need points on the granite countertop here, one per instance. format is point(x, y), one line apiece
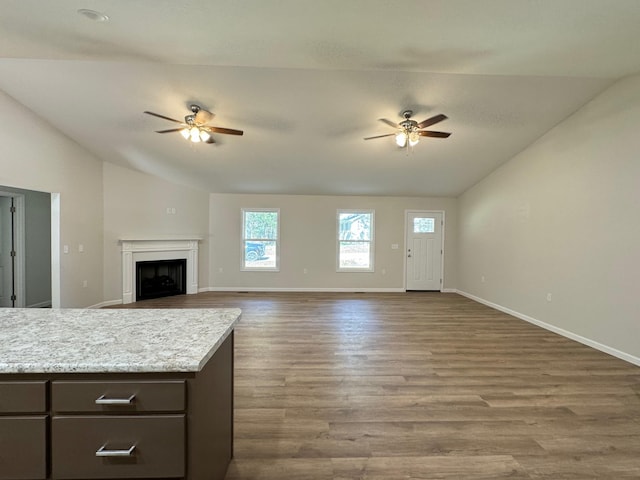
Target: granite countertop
point(115, 340)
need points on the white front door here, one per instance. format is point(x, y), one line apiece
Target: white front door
point(6, 271)
point(424, 250)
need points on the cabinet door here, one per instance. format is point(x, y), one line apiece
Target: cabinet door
point(19, 397)
point(110, 446)
point(23, 447)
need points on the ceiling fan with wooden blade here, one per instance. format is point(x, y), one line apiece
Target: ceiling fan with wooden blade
point(409, 131)
point(195, 126)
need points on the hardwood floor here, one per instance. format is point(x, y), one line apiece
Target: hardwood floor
point(419, 386)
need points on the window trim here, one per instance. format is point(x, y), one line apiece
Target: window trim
point(243, 266)
point(371, 241)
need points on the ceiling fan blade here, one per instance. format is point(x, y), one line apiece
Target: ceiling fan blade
point(162, 116)
point(389, 122)
point(431, 133)
point(203, 116)
point(432, 120)
point(229, 131)
point(170, 130)
point(380, 136)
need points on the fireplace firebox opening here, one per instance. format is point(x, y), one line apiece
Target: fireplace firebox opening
point(160, 278)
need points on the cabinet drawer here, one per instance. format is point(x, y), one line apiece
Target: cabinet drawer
point(23, 447)
point(116, 397)
point(18, 397)
point(158, 441)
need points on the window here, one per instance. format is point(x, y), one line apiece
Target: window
point(261, 239)
point(355, 240)
point(424, 225)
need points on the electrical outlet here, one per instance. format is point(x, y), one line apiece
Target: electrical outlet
point(305, 271)
point(81, 248)
point(548, 297)
point(65, 249)
point(394, 246)
point(482, 279)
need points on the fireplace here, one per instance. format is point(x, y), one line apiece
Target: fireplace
point(160, 278)
point(171, 249)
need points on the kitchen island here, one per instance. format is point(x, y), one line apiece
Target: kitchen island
point(116, 393)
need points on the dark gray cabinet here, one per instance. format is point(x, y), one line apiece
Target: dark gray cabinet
point(119, 425)
point(23, 430)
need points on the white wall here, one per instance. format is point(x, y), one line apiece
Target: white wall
point(47, 161)
point(135, 205)
point(308, 240)
point(562, 218)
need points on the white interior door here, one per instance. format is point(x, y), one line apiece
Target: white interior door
point(6, 273)
point(424, 250)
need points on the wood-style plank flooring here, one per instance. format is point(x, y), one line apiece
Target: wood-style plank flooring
point(419, 386)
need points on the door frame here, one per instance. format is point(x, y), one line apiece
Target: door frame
point(55, 251)
point(18, 232)
point(55, 247)
point(406, 227)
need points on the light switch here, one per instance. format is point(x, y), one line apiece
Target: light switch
point(65, 249)
point(394, 246)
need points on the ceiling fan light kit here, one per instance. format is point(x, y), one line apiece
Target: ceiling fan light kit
point(195, 134)
point(410, 131)
point(195, 127)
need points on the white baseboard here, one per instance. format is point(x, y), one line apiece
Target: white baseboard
point(337, 290)
point(560, 331)
point(312, 289)
point(107, 303)
point(45, 304)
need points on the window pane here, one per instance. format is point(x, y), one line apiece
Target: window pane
point(260, 242)
point(260, 254)
point(424, 225)
point(355, 226)
point(354, 254)
point(261, 225)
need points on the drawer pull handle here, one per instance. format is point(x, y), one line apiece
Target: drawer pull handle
point(101, 452)
point(101, 400)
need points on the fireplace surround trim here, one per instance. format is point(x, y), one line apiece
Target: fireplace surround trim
point(159, 248)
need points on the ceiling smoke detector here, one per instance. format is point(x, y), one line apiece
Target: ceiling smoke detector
point(93, 15)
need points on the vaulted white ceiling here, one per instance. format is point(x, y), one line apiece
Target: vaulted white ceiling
point(307, 80)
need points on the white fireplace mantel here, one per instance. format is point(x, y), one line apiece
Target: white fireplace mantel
point(157, 248)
